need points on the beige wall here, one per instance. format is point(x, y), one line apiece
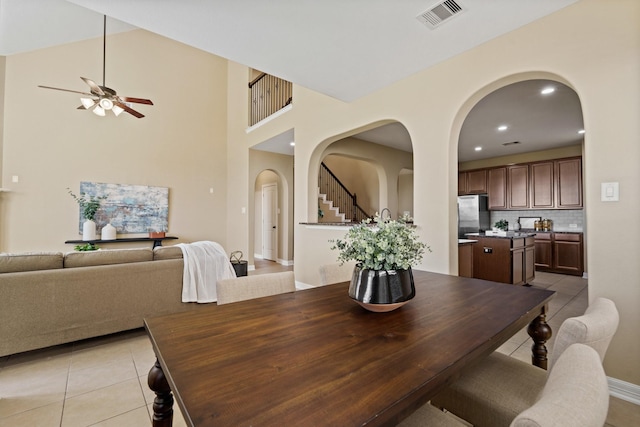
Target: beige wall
point(582, 46)
point(51, 145)
point(405, 192)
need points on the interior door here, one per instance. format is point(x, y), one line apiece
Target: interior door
point(269, 221)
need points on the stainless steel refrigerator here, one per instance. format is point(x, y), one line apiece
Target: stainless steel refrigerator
point(473, 215)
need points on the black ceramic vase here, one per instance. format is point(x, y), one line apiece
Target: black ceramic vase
point(381, 290)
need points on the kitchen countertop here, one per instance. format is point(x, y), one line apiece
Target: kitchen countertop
point(466, 241)
point(510, 235)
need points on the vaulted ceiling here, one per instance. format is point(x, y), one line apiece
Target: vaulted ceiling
point(344, 49)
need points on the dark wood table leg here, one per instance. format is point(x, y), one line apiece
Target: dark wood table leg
point(163, 403)
point(540, 332)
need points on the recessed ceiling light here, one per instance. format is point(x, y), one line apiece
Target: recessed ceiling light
point(502, 128)
point(548, 90)
point(478, 148)
point(293, 144)
point(581, 131)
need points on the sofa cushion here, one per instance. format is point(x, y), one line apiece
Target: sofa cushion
point(30, 261)
point(167, 252)
point(107, 257)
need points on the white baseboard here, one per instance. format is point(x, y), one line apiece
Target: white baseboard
point(301, 286)
point(624, 390)
point(585, 275)
point(286, 263)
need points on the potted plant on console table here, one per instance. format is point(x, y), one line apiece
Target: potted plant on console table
point(89, 205)
point(385, 251)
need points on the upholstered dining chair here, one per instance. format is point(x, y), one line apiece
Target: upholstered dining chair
point(496, 390)
point(249, 287)
point(575, 394)
point(336, 273)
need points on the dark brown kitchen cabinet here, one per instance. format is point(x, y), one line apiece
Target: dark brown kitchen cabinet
point(567, 253)
point(497, 188)
point(551, 184)
point(518, 187)
point(568, 178)
point(506, 260)
point(559, 253)
point(472, 182)
point(465, 259)
point(542, 185)
point(544, 248)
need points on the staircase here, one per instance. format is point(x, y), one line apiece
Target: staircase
point(331, 213)
point(330, 191)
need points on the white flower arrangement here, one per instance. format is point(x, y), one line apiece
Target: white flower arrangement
point(385, 245)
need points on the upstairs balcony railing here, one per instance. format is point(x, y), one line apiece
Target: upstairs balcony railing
point(269, 94)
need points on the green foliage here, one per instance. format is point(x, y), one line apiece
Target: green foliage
point(89, 205)
point(86, 247)
point(502, 225)
point(384, 245)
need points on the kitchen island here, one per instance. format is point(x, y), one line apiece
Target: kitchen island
point(506, 258)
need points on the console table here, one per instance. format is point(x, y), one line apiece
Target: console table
point(157, 241)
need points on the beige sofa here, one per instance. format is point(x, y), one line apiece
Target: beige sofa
point(55, 298)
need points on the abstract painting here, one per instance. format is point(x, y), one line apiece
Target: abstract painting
point(129, 208)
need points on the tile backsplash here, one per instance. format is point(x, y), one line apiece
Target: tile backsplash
point(562, 219)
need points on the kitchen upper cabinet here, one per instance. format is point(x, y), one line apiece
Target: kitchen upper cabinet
point(568, 179)
point(472, 182)
point(497, 188)
point(542, 185)
point(518, 187)
point(551, 184)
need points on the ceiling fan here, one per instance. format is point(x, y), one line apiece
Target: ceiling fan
point(104, 98)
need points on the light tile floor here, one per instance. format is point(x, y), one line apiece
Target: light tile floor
point(103, 381)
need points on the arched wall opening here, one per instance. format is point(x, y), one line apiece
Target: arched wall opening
point(277, 169)
point(364, 159)
point(533, 155)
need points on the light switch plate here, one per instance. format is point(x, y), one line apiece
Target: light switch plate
point(610, 191)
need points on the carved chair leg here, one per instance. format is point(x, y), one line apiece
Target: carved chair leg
point(540, 332)
point(163, 402)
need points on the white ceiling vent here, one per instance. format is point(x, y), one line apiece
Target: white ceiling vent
point(440, 13)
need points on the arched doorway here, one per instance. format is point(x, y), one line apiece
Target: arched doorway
point(372, 158)
point(521, 123)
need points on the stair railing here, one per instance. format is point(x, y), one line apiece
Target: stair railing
point(269, 94)
point(341, 197)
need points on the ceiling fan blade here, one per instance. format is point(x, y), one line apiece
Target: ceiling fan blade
point(66, 90)
point(136, 100)
point(95, 89)
point(129, 110)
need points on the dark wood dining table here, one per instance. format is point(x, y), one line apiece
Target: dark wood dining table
point(316, 358)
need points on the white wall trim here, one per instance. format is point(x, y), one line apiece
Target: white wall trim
point(624, 390)
point(268, 119)
point(301, 286)
point(285, 262)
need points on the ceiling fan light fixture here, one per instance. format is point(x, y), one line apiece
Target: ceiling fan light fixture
point(117, 110)
point(106, 103)
point(99, 111)
point(87, 102)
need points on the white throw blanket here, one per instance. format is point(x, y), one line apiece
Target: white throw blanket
point(204, 264)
